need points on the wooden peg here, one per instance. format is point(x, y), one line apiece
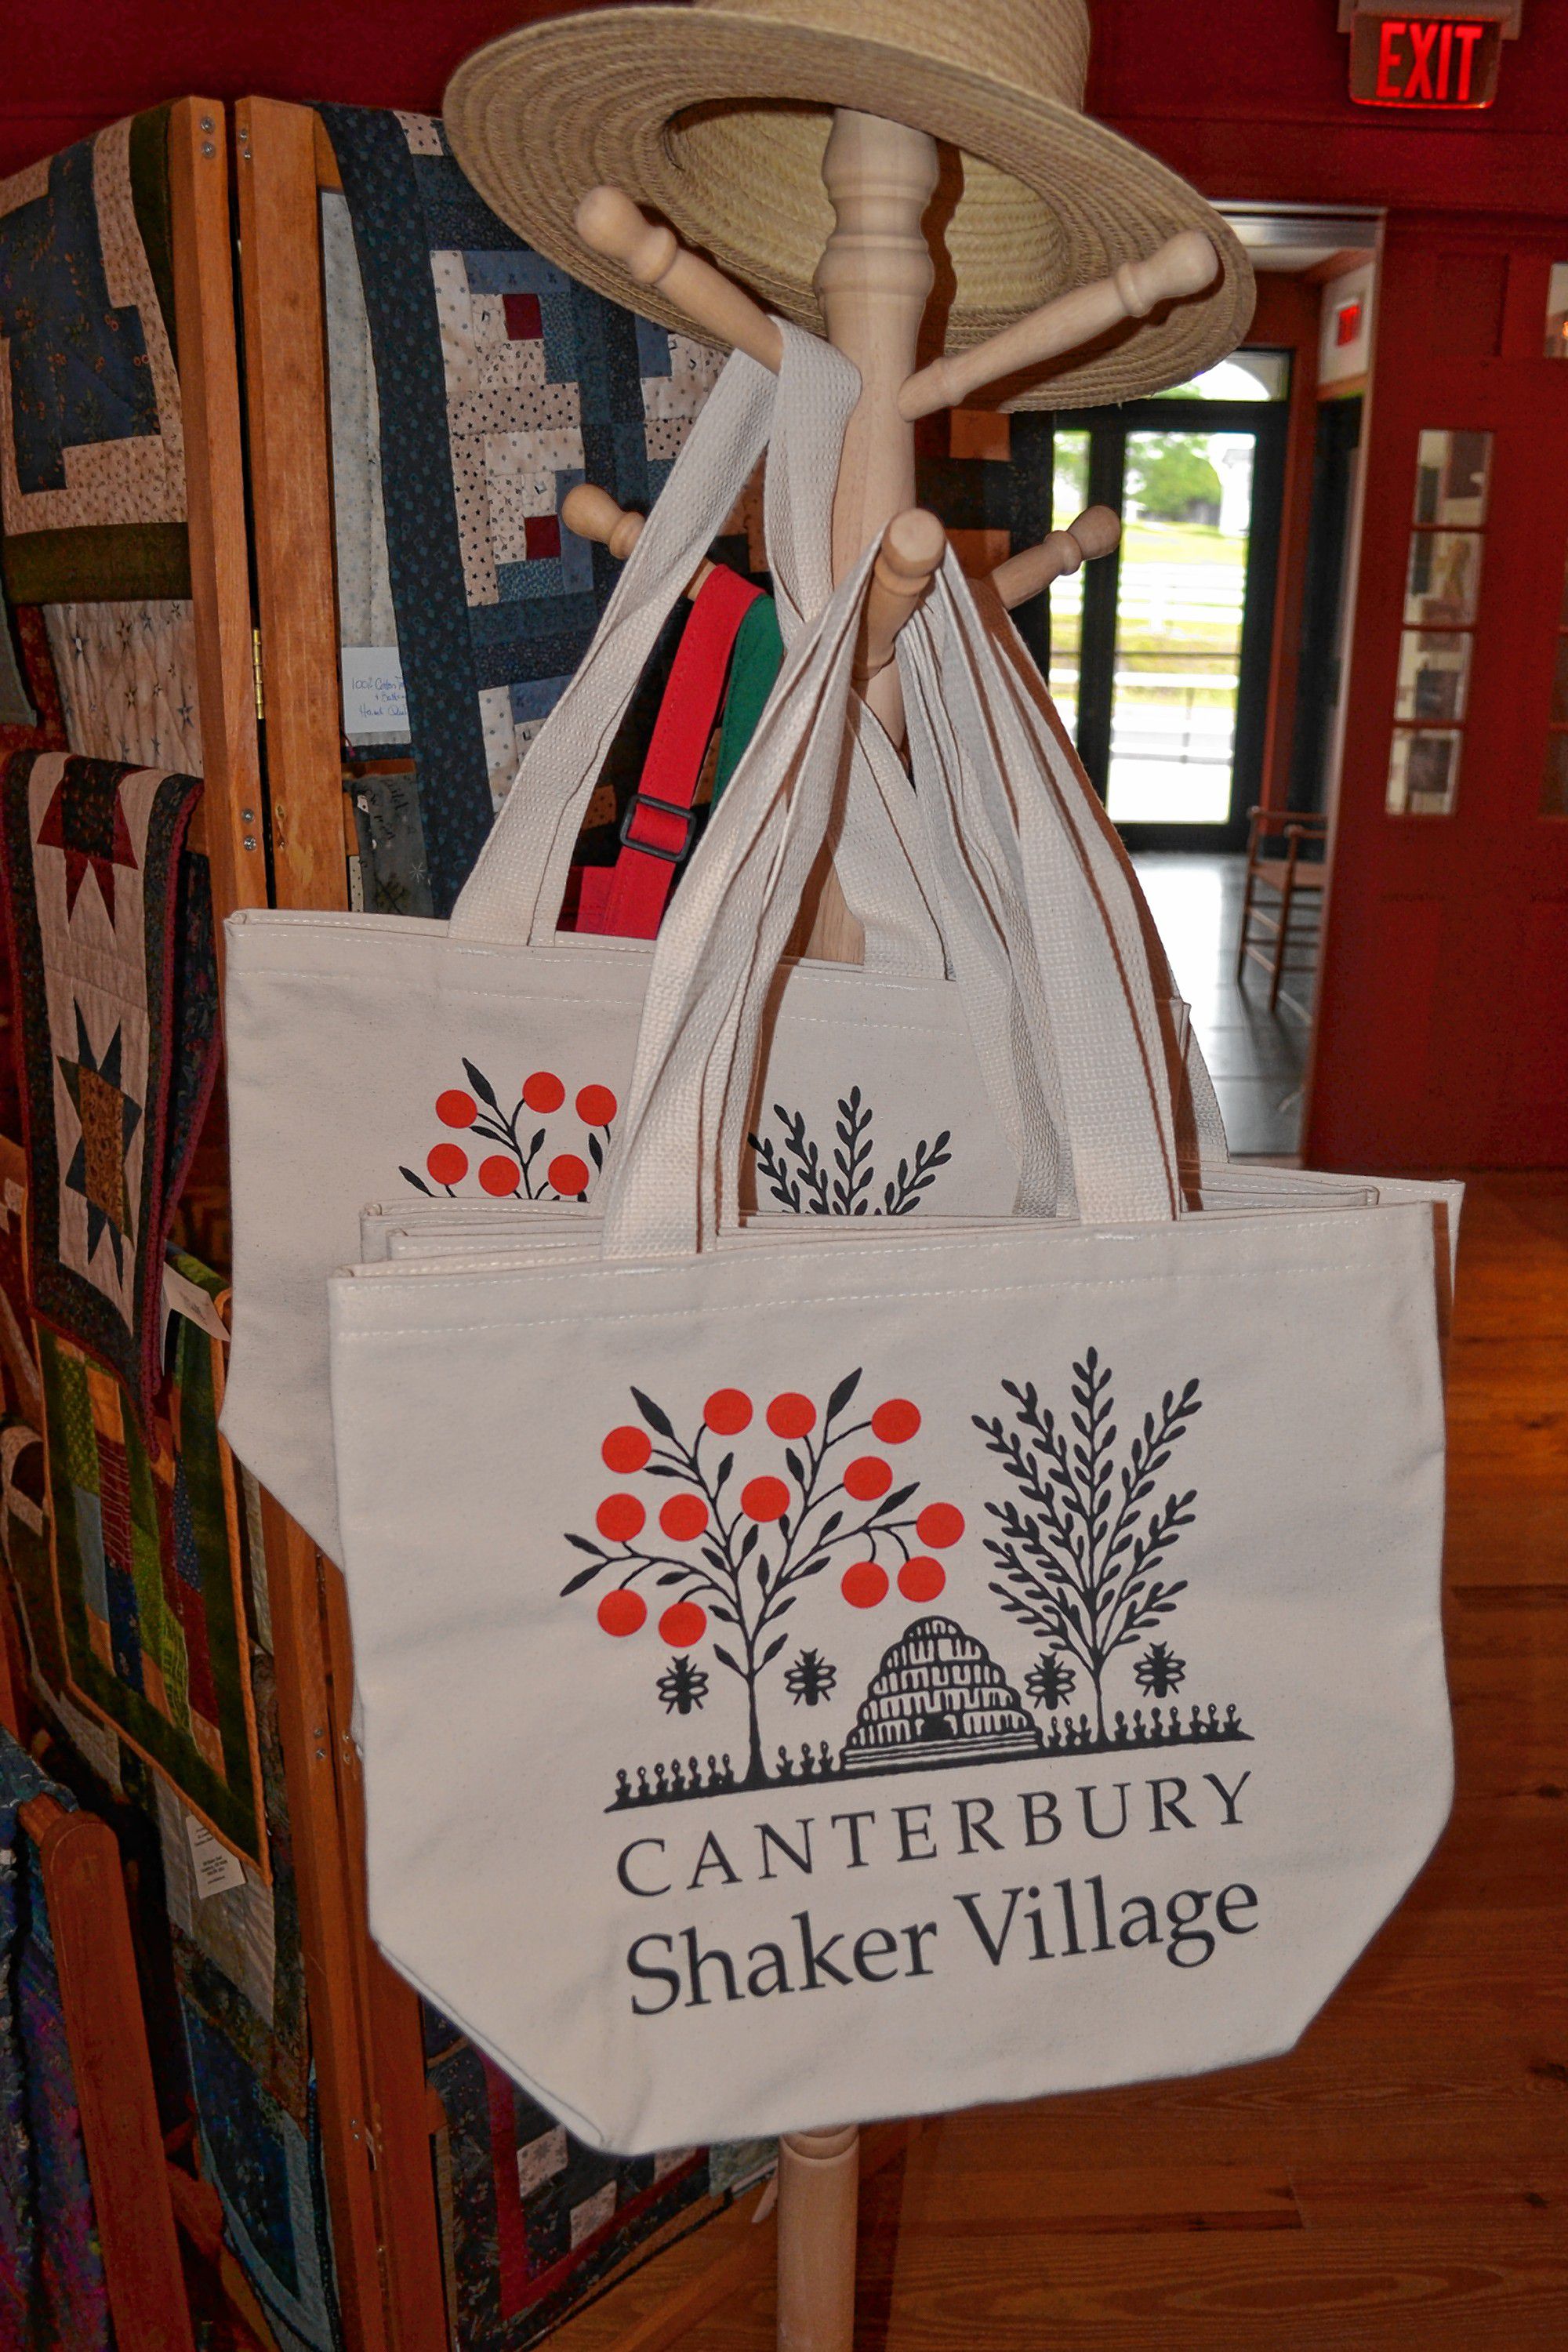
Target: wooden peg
point(1184, 264)
point(1094, 533)
point(593, 513)
point(912, 547)
point(609, 222)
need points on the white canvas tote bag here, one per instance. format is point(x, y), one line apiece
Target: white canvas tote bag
point(864, 1673)
point(489, 1056)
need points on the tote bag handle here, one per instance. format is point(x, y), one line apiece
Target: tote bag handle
point(1072, 1016)
point(514, 893)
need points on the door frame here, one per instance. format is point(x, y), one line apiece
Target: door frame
point(1108, 429)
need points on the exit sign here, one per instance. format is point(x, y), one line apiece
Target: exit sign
point(1432, 64)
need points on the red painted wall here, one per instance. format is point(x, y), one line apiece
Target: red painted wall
point(1248, 99)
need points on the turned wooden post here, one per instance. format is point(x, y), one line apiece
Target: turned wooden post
point(819, 2197)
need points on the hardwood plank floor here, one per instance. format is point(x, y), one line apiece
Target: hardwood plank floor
point(1399, 2183)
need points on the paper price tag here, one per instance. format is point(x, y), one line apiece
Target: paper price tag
point(216, 1870)
point(376, 701)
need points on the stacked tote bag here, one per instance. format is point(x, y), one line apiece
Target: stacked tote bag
point(836, 1668)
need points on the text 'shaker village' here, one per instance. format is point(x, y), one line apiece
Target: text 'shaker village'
point(1028, 1919)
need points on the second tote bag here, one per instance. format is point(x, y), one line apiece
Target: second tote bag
point(854, 1672)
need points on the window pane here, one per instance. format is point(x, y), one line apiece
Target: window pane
point(1188, 511)
point(1424, 772)
point(1451, 471)
point(1444, 577)
point(1069, 495)
point(1434, 672)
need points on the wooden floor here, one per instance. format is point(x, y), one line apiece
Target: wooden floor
point(1400, 2182)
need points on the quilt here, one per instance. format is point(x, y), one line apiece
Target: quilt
point(114, 985)
point(52, 2287)
point(533, 2224)
point(493, 383)
point(149, 1550)
point(92, 463)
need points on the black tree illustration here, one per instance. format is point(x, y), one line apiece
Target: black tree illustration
point(799, 1178)
point(757, 1546)
point(1080, 1561)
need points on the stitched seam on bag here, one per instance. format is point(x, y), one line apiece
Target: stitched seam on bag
point(887, 1252)
point(847, 1298)
point(788, 1017)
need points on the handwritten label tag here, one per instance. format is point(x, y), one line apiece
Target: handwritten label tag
point(375, 702)
point(216, 1870)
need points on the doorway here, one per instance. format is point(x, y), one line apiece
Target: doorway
point(1160, 653)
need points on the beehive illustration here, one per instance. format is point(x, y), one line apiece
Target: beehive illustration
point(938, 1698)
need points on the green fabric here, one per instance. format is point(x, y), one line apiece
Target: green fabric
point(116, 562)
point(754, 666)
point(148, 1571)
point(149, 200)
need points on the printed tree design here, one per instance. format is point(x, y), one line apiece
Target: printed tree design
point(799, 1178)
point(1080, 1561)
point(566, 1176)
point(740, 1549)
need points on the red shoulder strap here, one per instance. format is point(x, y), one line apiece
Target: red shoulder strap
point(656, 832)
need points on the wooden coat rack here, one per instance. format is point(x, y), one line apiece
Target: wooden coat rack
point(874, 280)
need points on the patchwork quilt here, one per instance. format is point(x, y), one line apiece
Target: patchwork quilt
point(473, 384)
point(92, 462)
point(114, 984)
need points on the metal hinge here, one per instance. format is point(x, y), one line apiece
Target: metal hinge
point(256, 672)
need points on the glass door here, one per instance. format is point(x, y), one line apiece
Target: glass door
point(1159, 655)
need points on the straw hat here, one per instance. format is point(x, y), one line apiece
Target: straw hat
point(715, 115)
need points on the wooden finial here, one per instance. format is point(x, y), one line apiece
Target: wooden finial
point(1184, 264)
point(609, 222)
point(1094, 533)
point(913, 545)
point(593, 514)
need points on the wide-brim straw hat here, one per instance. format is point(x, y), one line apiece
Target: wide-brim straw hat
point(715, 116)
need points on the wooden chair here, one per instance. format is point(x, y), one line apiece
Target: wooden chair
point(1285, 859)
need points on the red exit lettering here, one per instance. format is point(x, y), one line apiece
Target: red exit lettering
point(1424, 61)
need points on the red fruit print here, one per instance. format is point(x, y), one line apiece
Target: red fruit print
point(596, 1105)
point(866, 1478)
point(568, 1174)
point(863, 1584)
point(626, 1449)
point(500, 1175)
point(940, 1525)
point(683, 1625)
point(619, 1518)
point(895, 1423)
point(455, 1109)
point(727, 1412)
point(684, 1517)
point(921, 1580)
point(622, 1612)
point(764, 1498)
point(448, 1163)
point(792, 1415)
point(542, 1091)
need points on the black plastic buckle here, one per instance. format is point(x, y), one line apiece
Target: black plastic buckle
point(666, 808)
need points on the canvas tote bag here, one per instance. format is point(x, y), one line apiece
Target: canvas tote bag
point(874, 1671)
point(486, 1059)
